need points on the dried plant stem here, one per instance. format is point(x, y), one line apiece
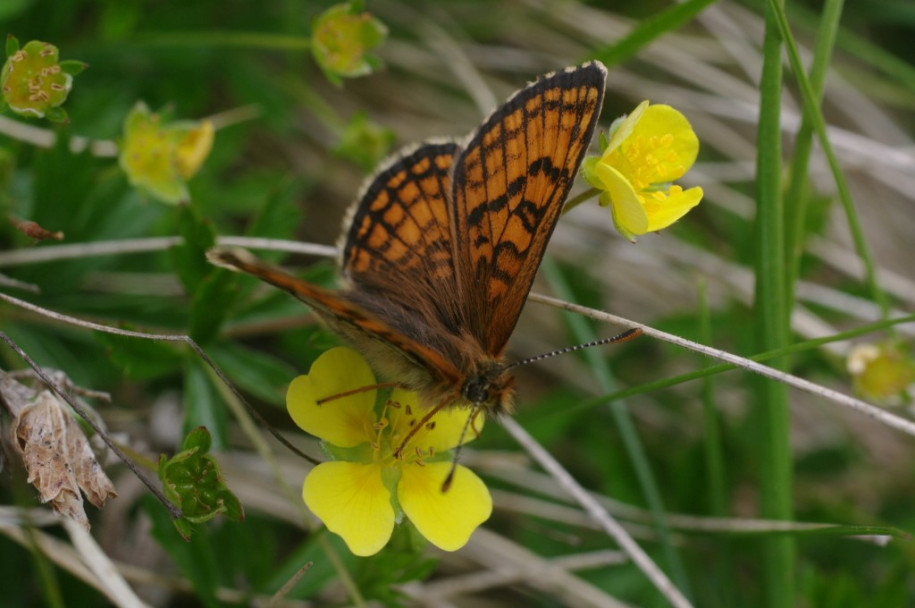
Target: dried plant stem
point(105, 571)
point(107, 148)
point(287, 587)
point(35, 255)
point(599, 513)
point(883, 416)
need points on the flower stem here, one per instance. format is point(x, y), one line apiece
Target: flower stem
point(771, 326)
point(584, 196)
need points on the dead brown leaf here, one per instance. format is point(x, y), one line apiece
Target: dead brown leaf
point(55, 451)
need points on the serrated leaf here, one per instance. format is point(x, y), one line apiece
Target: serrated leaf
point(192, 479)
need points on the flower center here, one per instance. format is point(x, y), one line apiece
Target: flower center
point(647, 160)
point(389, 437)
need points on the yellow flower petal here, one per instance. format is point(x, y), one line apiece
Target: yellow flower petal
point(628, 215)
point(621, 129)
point(665, 209)
point(146, 156)
point(447, 519)
point(193, 148)
point(662, 145)
point(344, 422)
point(446, 426)
point(353, 502)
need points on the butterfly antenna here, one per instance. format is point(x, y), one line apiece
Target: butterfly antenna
point(457, 451)
point(627, 335)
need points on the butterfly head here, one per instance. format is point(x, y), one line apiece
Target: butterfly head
point(490, 386)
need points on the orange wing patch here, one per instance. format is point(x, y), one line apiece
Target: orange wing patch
point(509, 187)
point(401, 226)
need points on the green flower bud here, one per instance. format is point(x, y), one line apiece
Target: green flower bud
point(34, 83)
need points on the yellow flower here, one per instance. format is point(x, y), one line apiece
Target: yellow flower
point(160, 158)
point(648, 149)
point(882, 372)
point(365, 489)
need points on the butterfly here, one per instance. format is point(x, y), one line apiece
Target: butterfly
point(440, 250)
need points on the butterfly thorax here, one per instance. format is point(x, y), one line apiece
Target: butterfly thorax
point(490, 386)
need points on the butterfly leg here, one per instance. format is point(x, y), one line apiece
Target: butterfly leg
point(356, 391)
point(398, 453)
point(470, 424)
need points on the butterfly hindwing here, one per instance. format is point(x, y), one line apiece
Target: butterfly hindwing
point(405, 356)
point(509, 186)
point(397, 250)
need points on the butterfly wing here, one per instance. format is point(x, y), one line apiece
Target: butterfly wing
point(509, 185)
point(397, 254)
point(410, 362)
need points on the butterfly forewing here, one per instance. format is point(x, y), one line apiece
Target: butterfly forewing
point(510, 183)
point(374, 336)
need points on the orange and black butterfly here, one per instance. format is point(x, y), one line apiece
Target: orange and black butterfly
point(441, 247)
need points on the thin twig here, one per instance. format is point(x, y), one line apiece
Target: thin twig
point(167, 338)
point(35, 255)
point(887, 418)
point(107, 148)
point(599, 513)
point(288, 585)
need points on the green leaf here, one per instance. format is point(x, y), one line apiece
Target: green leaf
point(650, 29)
point(57, 114)
point(193, 554)
point(210, 304)
point(198, 439)
point(279, 214)
point(202, 404)
point(73, 67)
point(189, 258)
point(12, 45)
point(141, 359)
point(255, 372)
point(192, 479)
point(322, 572)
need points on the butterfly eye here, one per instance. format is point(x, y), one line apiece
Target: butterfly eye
point(478, 389)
